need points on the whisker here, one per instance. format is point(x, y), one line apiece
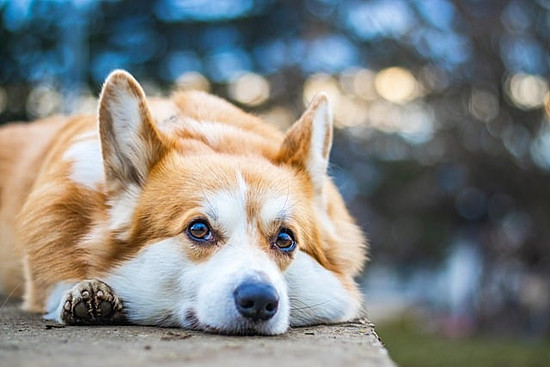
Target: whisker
point(310, 307)
point(10, 295)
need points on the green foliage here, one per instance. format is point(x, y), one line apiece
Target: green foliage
point(409, 346)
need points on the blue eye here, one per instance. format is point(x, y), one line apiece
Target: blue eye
point(199, 231)
point(285, 240)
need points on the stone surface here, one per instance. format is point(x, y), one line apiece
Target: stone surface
point(28, 340)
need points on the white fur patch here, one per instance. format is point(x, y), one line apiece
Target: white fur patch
point(56, 300)
point(122, 210)
point(94, 237)
point(316, 295)
point(150, 285)
point(87, 164)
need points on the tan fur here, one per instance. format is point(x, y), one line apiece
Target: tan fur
point(22, 151)
point(62, 228)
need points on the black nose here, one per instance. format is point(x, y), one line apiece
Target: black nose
point(256, 301)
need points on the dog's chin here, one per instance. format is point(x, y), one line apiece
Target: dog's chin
point(243, 329)
point(238, 326)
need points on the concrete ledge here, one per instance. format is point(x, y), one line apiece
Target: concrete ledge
point(27, 340)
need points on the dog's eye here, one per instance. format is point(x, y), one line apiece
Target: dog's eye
point(285, 240)
point(199, 231)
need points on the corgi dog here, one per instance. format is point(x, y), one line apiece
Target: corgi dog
point(182, 212)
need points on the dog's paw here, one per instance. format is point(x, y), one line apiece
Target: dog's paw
point(91, 302)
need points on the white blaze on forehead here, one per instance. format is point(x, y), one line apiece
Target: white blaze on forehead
point(87, 164)
point(228, 207)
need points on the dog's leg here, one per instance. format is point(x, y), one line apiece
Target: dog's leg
point(91, 302)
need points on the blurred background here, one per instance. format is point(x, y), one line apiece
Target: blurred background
point(442, 143)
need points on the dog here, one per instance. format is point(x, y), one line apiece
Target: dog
point(179, 212)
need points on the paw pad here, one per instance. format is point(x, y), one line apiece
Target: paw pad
point(91, 302)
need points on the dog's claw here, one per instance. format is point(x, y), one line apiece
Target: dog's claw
point(92, 302)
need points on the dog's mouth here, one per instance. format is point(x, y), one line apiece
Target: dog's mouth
point(244, 329)
point(241, 327)
point(191, 320)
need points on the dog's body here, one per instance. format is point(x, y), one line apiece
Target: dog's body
point(178, 212)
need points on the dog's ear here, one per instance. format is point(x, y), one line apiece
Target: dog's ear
point(130, 142)
point(307, 143)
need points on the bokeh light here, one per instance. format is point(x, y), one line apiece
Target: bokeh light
point(359, 82)
point(280, 116)
point(249, 89)
point(318, 83)
point(396, 84)
point(193, 80)
point(527, 91)
point(43, 101)
point(484, 104)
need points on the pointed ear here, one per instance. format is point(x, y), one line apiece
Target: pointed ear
point(307, 143)
point(130, 142)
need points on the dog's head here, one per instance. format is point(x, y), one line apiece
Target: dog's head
point(232, 243)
